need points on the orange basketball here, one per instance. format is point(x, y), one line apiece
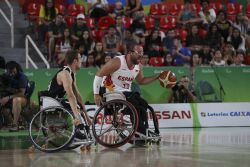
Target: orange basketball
point(167, 79)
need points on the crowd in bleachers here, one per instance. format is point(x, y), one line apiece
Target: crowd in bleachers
point(172, 34)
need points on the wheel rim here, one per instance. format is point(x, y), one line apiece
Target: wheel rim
point(115, 123)
point(52, 129)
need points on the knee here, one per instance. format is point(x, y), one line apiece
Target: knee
point(18, 101)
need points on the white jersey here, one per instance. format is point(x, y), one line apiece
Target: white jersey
point(123, 77)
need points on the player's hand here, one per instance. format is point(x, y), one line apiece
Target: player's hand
point(98, 99)
point(77, 121)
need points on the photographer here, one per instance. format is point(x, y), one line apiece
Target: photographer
point(16, 98)
point(182, 92)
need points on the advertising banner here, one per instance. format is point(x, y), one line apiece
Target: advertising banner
point(197, 114)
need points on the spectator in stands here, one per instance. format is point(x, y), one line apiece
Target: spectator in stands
point(168, 60)
point(17, 98)
point(132, 7)
point(214, 38)
point(128, 39)
point(180, 54)
point(80, 47)
point(224, 26)
point(207, 14)
point(182, 92)
point(237, 40)
point(87, 41)
point(106, 59)
point(168, 43)
point(56, 30)
point(79, 27)
point(238, 59)
point(243, 24)
point(228, 53)
point(195, 60)
point(206, 54)
point(145, 60)
point(119, 10)
point(62, 46)
point(111, 41)
point(119, 26)
point(154, 39)
point(194, 41)
point(138, 28)
point(97, 8)
point(187, 16)
point(90, 60)
point(47, 14)
point(155, 51)
point(217, 59)
point(99, 54)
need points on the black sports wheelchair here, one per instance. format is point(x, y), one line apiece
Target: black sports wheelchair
point(114, 124)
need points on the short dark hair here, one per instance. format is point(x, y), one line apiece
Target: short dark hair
point(12, 65)
point(131, 46)
point(71, 55)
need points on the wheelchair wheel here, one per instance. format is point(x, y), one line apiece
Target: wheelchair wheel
point(115, 123)
point(52, 129)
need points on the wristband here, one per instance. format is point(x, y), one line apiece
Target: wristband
point(97, 84)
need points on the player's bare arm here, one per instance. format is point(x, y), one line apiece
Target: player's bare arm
point(142, 80)
point(65, 79)
point(107, 69)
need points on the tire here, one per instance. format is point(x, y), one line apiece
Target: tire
point(115, 123)
point(52, 129)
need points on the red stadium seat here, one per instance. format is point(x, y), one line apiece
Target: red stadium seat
point(127, 21)
point(90, 22)
point(149, 22)
point(105, 21)
point(97, 35)
point(157, 10)
point(202, 33)
point(61, 2)
point(231, 10)
point(74, 9)
point(27, 2)
point(174, 9)
point(196, 7)
point(248, 10)
point(182, 33)
point(69, 20)
point(217, 6)
point(167, 23)
point(33, 12)
point(156, 61)
point(60, 8)
point(238, 7)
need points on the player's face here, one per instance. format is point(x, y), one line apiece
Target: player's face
point(137, 54)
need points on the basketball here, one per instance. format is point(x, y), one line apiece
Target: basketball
point(167, 79)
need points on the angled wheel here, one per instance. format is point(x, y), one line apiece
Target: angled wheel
point(115, 123)
point(52, 129)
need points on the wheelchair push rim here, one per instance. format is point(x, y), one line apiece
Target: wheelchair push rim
point(115, 123)
point(52, 129)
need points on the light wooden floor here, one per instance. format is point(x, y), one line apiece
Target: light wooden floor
point(208, 147)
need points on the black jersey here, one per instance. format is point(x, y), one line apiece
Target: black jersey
point(55, 90)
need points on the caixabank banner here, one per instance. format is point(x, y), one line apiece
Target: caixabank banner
point(197, 114)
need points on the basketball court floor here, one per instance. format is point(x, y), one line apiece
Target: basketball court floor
point(180, 147)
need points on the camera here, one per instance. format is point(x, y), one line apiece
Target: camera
point(178, 87)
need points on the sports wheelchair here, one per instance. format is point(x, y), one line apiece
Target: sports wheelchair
point(114, 124)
